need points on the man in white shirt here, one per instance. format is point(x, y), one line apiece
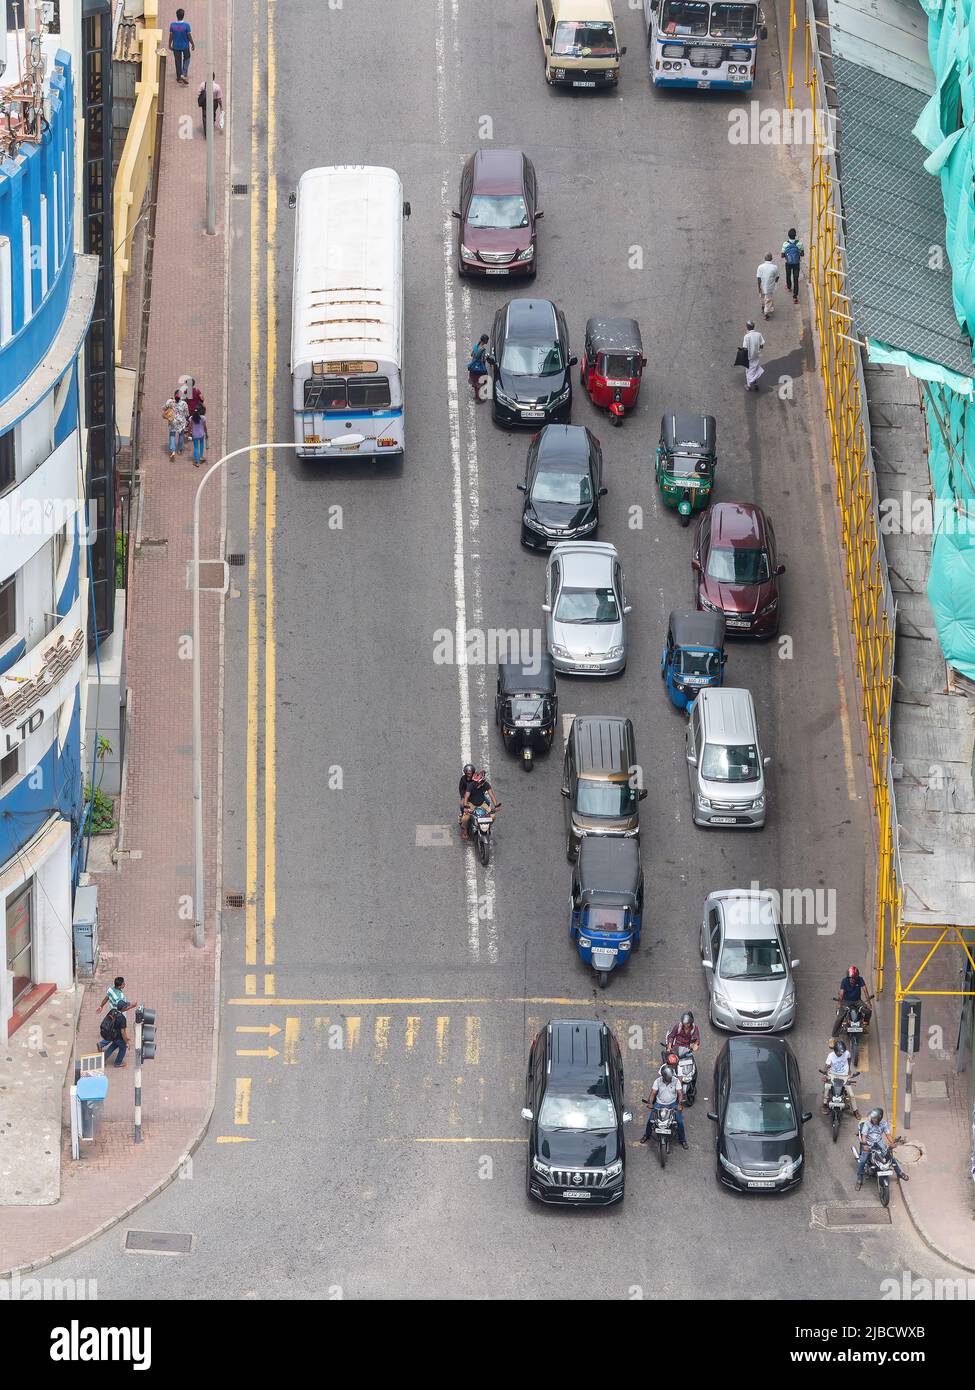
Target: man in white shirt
point(666, 1093)
point(753, 343)
point(838, 1063)
point(768, 277)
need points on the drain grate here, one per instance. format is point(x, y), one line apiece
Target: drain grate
point(239, 190)
point(857, 1216)
point(236, 559)
point(234, 900)
point(158, 1242)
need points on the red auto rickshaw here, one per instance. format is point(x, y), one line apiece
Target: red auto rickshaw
point(612, 365)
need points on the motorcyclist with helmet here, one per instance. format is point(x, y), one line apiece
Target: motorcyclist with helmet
point(684, 1034)
point(853, 990)
point(875, 1130)
point(666, 1093)
point(838, 1063)
point(474, 789)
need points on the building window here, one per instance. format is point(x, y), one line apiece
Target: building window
point(20, 938)
point(10, 766)
point(8, 609)
point(8, 470)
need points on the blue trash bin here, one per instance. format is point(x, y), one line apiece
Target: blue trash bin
point(92, 1091)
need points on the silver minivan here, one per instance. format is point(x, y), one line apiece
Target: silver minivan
point(725, 765)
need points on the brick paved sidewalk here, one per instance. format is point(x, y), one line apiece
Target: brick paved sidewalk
point(143, 936)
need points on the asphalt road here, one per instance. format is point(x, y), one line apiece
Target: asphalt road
point(380, 1152)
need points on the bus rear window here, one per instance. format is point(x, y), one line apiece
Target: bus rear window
point(334, 394)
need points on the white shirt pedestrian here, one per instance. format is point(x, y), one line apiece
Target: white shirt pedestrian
point(753, 343)
point(768, 277)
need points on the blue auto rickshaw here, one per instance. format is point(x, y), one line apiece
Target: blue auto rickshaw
point(694, 656)
point(607, 901)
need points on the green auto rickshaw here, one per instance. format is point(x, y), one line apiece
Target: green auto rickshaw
point(686, 460)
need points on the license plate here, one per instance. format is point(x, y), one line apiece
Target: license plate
point(854, 1027)
point(529, 723)
point(685, 1069)
point(576, 1196)
point(761, 1182)
point(313, 439)
point(707, 84)
point(497, 270)
point(533, 414)
point(583, 84)
point(740, 77)
point(756, 1023)
point(614, 381)
point(724, 820)
point(736, 622)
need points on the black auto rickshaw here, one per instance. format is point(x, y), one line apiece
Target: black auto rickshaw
point(694, 655)
point(686, 459)
point(526, 707)
point(612, 365)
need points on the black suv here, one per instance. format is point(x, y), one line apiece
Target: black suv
point(529, 352)
point(574, 1101)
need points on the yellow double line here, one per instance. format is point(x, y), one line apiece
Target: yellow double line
point(262, 251)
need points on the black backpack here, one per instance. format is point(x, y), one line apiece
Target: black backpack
point(111, 1026)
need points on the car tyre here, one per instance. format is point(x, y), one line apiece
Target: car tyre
point(568, 847)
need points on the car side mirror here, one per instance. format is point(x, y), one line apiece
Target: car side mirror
point(707, 963)
point(710, 1114)
point(573, 360)
point(539, 214)
point(643, 795)
point(522, 487)
point(456, 214)
point(526, 1114)
point(565, 791)
point(603, 491)
point(627, 1117)
point(622, 50)
point(490, 357)
point(546, 608)
point(762, 33)
point(628, 608)
point(780, 569)
point(806, 1116)
point(766, 761)
point(692, 759)
point(696, 565)
point(794, 964)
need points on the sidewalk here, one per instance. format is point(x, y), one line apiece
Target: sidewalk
point(144, 933)
point(930, 729)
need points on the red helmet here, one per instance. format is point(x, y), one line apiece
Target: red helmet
point(478, 776)
point(853, 972)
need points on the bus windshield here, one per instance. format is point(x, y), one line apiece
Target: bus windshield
point(734, 21)
point(686, 17)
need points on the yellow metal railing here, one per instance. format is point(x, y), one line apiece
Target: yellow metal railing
point(135, 166)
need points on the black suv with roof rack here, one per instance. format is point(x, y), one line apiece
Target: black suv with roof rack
point(574, 1103)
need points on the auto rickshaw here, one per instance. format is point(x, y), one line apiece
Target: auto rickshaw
point(607, 902)
point(612, 365)
point(526, 707)
point(694, 656)
point(686, 460)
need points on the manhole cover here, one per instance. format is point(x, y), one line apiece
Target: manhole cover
point(158, 1242)
point(857, 1216)
point(433, 836)
point(234, 900)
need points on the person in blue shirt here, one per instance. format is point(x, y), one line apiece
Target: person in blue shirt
point(180, 43)
point(875, 1130)
point(853, 990)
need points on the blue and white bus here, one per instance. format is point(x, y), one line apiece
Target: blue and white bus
point(347, 313)
point(703, 43)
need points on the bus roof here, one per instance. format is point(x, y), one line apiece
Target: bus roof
point(348, 290)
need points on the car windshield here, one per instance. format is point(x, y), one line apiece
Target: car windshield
point(751, 960)
point(738, 566)
point(573, 488)
point(730, 762)
point(760, 1115)
point(734, 21)
point(587, 606)
point(532, 359)
point(501, 211)
point(684, 465)
point(699, 664)
point(591, 1110)
point(605, 798)
point(578, 39)
point(685, 17)
point(608, 919)
point(527, 707)
point(619, 365)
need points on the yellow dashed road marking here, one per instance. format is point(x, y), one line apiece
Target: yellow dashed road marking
point(292, 1028)
point(242, 1100)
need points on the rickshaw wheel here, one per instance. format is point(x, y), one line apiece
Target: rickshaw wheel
point(685, 520)
point(527, 759)
point(617, 420)
point(603, 978)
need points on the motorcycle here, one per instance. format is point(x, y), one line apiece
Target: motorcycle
point(479, 830)
point(854, 1025)
point(663, 1128)
point(682, 1062)
point(838, 1100)
point(880, 1165)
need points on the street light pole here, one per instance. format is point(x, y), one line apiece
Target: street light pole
point(211, 178)
point(198, 888)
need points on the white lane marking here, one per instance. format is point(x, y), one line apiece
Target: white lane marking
point(453, 421)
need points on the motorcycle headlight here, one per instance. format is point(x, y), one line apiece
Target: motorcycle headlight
point(528, 252)
point(466, 254)
point(614, 1169)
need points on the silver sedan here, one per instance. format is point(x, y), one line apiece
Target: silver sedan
point(747, 962)
point(585, 609)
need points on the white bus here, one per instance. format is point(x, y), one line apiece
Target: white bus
point(703, 43)
point(347, 313)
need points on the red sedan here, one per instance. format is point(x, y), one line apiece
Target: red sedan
point(736, 568)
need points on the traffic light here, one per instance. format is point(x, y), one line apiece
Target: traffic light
point(147, 1018)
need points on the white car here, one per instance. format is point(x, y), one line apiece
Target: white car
point(585, 609)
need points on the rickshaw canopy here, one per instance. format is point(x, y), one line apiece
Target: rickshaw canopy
point(529, 678)
point(696, 630)
point(689, 432)
point(613, 335)
point(608, 870)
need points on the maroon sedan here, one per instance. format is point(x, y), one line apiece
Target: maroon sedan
point(736, 568)
point(498, 212)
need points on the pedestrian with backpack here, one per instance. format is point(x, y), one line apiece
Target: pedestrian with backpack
point(114, 1036)
point(477, 366)
point(115, 996)
point(792, 253)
